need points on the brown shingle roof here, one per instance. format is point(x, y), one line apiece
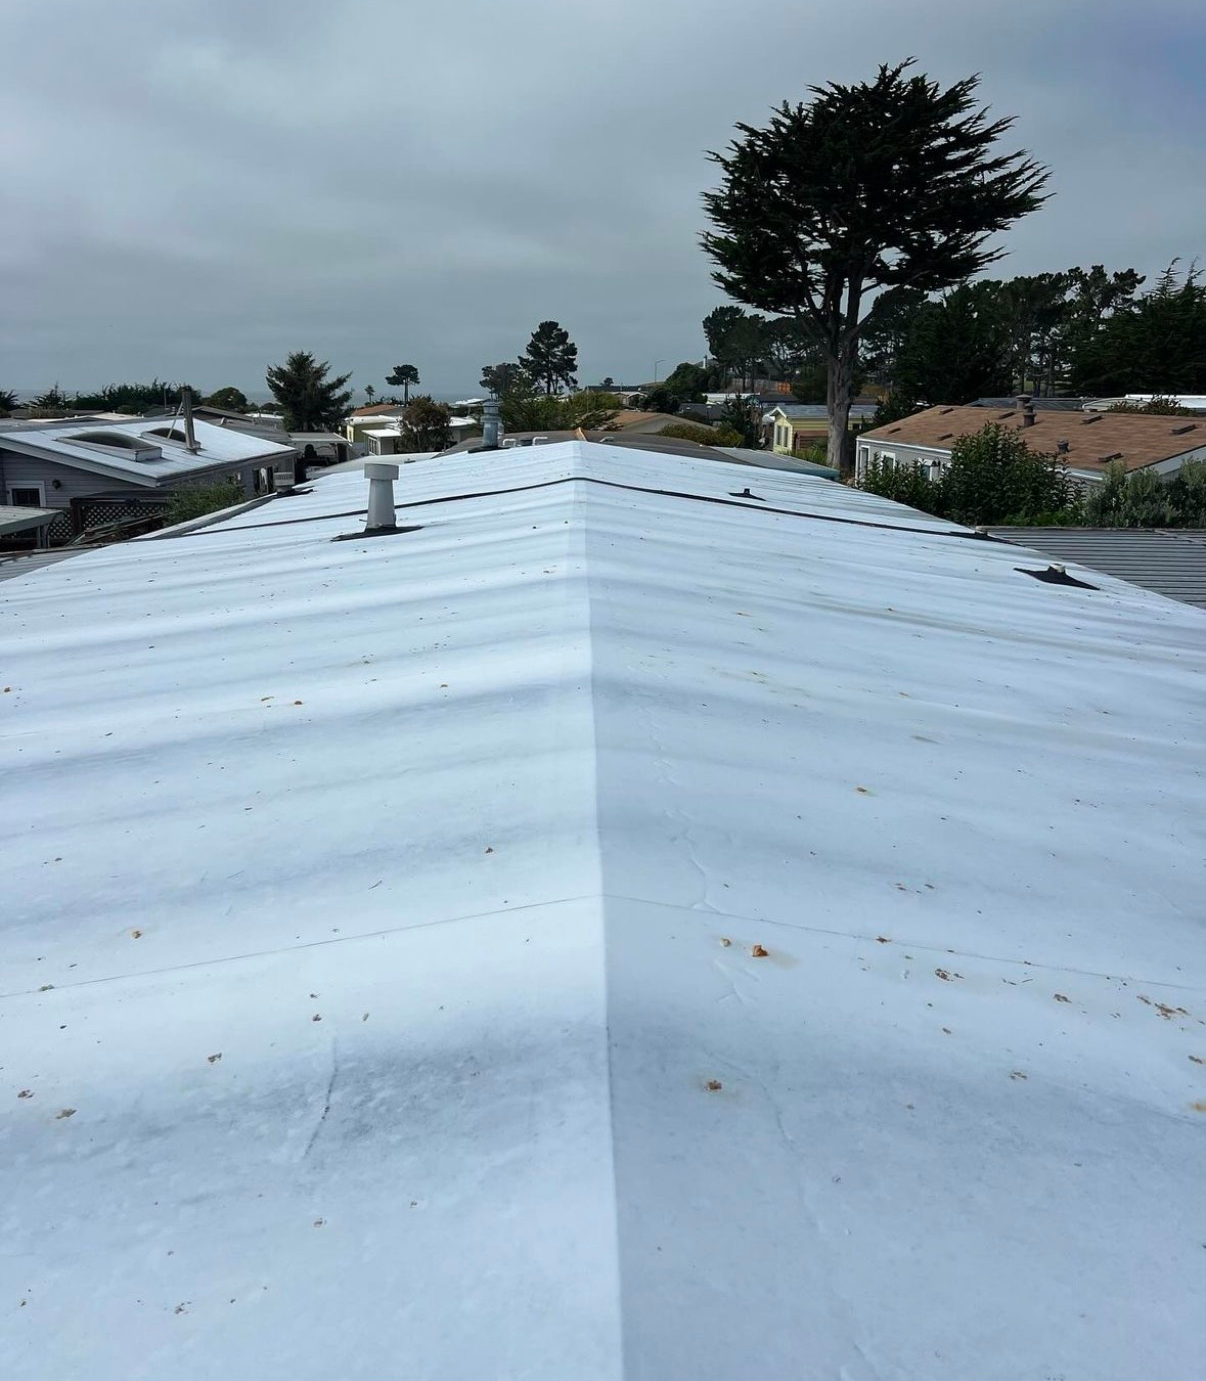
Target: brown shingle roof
point(1093, 437)
point(377, 410)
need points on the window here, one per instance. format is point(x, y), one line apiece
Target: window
point(27, 496)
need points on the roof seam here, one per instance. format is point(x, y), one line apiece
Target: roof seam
point(607, 484)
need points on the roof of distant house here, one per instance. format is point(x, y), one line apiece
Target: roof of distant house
point(1039, 404)
point(629, 420)
point(647, 918)
point(1094, 439)
point(378, 410)
point(143, 452)
point(1171, 562)
point(1194, 402)
point(804, 412)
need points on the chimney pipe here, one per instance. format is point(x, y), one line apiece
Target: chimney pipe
point(491, 425)
point(381, 517)
point(1026, 403)
point(190, 436)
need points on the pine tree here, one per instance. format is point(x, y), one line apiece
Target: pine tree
point(498, 379)
point(309, 400)
point(403, 376)
point(551, 358)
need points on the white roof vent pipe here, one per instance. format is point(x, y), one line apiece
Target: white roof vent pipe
point(381, 516)
point(492, 427)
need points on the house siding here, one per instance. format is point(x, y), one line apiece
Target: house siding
point(18, 471)
point(869, 450)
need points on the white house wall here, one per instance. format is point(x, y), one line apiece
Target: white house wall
point(902, 455)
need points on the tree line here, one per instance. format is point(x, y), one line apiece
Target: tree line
point(1080, 331)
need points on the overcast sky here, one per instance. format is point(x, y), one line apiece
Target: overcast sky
point(192, 188)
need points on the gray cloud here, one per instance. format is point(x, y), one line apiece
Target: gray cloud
point(194, 187)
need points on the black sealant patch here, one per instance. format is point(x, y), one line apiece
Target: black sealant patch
point(745, 494)
point(377, 532)
point(1054, 575)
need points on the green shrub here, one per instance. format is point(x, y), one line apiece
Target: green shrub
point(721, 435)
point(186, 504)
point(524, 410)
point(995, 478)
point(992, 477)
point(908, 483)
point(1189, 494)
point(1143, 499)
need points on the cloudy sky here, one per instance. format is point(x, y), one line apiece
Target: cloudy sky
point(192, 188)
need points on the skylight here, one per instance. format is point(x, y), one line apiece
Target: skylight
point(134, 447)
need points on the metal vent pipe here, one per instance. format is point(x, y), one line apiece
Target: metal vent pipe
point(381, 516)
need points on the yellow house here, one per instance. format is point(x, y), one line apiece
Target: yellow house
point(794, 427)
point(365, 420)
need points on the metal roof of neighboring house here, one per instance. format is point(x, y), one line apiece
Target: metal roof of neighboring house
point(13, 564)
point(807, 412)
point(81, 446)
point(18, 518)
point(621, 927)
point(40, 423)
point(1094, 438)
point(1195, 402)
point(318, 438)
point(1171, 562)
point(637, 420)
point(1040, 404)
point(771, 460)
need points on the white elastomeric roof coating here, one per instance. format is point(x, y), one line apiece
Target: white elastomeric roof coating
point(600, 934)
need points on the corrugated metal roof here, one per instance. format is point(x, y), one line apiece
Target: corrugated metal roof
point(1170, 562)
point(13, 564)
point(817, 412)
point(1040, 404)
point(20, 518)
point(771, 460)
point(619, 929)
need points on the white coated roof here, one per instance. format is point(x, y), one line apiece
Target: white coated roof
point(602, 933)
point(218, 446)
